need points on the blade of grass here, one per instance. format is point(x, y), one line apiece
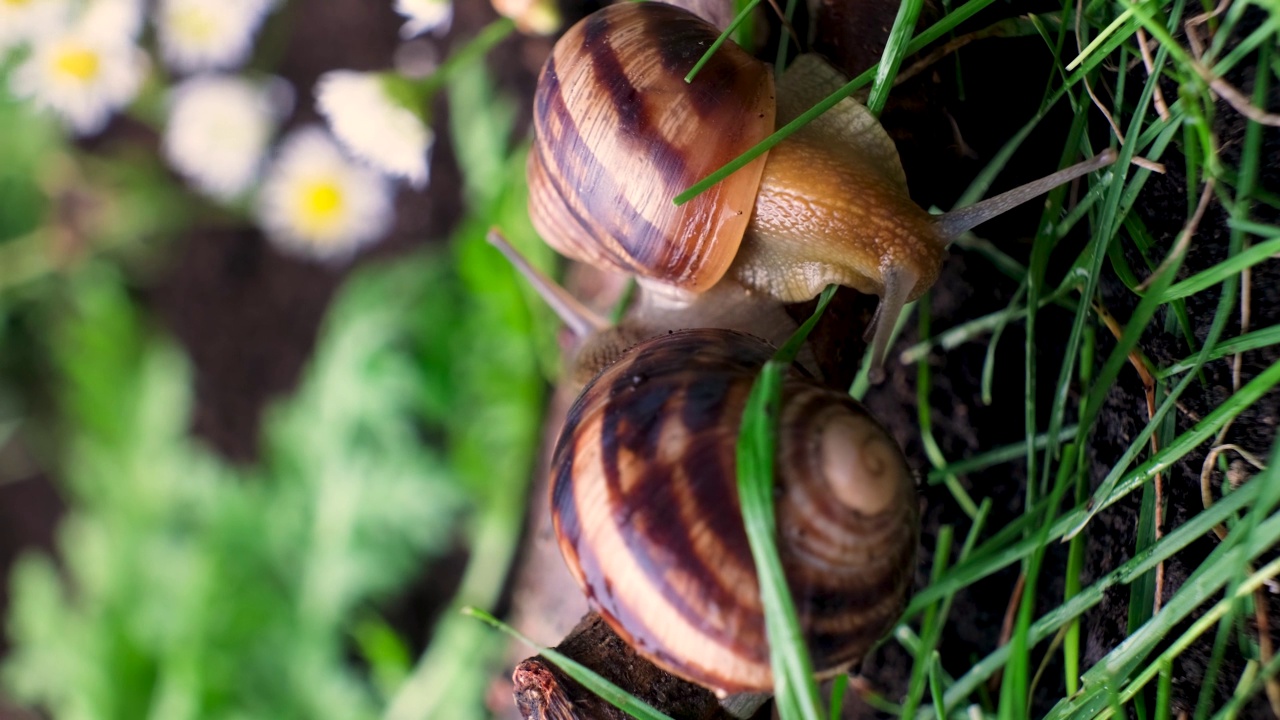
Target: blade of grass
point(724, 35)
point(797, 692)
point(934, 619)
point(1226, 301)
point(1048, 624)
point(1106, 33)
point(904, 24)
point(1172, 543)
point(942, 27)
point(1233, 265)
point(997, 553)
point(924, 419)
point(585, 676)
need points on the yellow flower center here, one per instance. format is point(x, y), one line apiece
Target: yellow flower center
point(15, 3)
point(77, 63)
point(320, 207)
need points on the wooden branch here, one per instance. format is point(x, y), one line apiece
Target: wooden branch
point(544, 692)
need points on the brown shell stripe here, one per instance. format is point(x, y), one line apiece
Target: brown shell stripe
point(634, 604)
point(683, 533)
point(848, 573)
point(619, 134)
point(572, 179)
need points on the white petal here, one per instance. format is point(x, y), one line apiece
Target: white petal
point(217, 132)
point(373, 126)
point(316, 203)
point(197, 35)
point(81, 77)
point(424, 16)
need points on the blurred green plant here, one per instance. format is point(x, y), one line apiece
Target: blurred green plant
point(186, 587)
point(193, 589)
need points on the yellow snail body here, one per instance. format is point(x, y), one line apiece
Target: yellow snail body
point(645, 505)
point(644, 499)
point(619, 133)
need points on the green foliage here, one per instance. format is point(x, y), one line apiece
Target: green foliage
point(190, 588)
point(491, 399)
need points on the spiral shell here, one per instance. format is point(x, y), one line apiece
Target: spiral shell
point(619, 134)
point(645, 503)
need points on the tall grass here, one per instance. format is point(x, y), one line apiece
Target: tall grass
point(1163, 92)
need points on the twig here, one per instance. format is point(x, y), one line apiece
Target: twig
point(1151, 165)
point(1236, 99)
point(1184, 238)
point(786, 23)
point(1006, 628)
point(1265, 647)
point(1158, 97)
point(1139, 363)
point(996, 30)
point(1199, 20)
point(1223, 89)
point(1088, 87)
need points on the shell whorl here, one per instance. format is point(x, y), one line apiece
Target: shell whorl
point(619, 134)
point(645, 503)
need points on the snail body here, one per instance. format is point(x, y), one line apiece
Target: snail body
point(644, 501)
point(619, 133)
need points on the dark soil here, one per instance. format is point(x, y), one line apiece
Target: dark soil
point(249, 316)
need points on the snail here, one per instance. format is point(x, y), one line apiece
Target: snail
point(644, 503)
point(619, 133)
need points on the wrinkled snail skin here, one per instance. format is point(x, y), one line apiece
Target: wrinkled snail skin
point(644, 501)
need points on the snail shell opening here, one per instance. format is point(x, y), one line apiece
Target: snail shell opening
point(645, 504)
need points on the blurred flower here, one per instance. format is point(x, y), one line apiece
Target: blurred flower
point(217, 132)
point(81, 76)
point(424, 16)
point(374, 124)
point(22, 20)
point(316, 202)
point(535, 17)
point(111, 19)
point(199, 35)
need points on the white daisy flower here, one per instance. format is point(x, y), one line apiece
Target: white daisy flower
point(374, 125)
point(82, 77)
point(424, 16)
point(22, 20)
point(197, 35)
point(217, 132)
point(533, 17)
point(317, 203)
point(110, 19)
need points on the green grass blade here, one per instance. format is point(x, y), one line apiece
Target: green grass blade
point(904, 24)
point(724, 35)
point(942, 27)
point(797, 692)
point(585, 676)
point(1233, 265)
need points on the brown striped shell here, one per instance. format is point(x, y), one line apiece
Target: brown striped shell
point(645, 504)
point(619, 134)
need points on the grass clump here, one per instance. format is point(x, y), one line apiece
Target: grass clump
point(1158, 78)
